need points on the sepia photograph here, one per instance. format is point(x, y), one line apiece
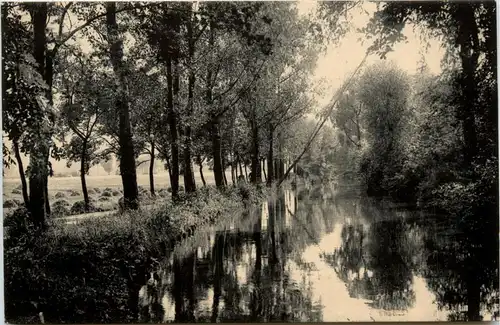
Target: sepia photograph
point(249, 161)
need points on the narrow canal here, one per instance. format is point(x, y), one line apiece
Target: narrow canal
point(314, 257)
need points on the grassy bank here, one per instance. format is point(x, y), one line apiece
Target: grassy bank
point(92, 272)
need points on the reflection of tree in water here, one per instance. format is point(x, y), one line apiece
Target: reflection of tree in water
point(462, 268)
point(390, 260)
point(375, 263)
point(266, 293)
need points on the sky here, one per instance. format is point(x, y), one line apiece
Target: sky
point(341, 59)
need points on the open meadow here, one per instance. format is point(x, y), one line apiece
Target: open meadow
point(105, 191)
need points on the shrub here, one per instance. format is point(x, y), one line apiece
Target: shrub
point(103, 199)
point(144, 195)
point(162, 193)
point(116, 193)
point(19, 187)
point(63, 203)
point(18, 202)
point(108, 189)
point(91, 191)
point(16, 191)
point(97, 190)
point(169, 189)
point(79, 207)
point(106, 194)
point(60, 211)
point(9, 204)
point(60, 195)
point(74, 193)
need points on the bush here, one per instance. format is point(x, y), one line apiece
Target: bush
point(60, 208)
point(18, 202)
point(8, 204)
point(116, 193)
point(16, 191)
point(79, 207)
point(162, 193)
point(144, 195)
point(108, 189)
point(19, 187)
point(60, 195)
point(74, 193)
point(106, 194)
point(97, 190)
point(103, 199)
point(91, 191)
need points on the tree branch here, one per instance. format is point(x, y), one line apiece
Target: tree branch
point(63, 16)
point(322, 122)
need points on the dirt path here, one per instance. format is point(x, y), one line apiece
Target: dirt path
point(73, 219)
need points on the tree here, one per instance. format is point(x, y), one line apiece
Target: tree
point(462, 42)
point(22, 85)
point(127, 154)
point(108, 165)
point(82, 112)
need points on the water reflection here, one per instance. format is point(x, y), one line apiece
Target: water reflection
point(314, 260)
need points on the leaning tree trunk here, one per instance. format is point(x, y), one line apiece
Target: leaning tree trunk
point(152, 170)
point(264, 169)
point(127, 154)
point(82, 176)
point(201, 171)
point(22, 174)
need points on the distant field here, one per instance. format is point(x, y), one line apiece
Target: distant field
point(67, 184)
point(113, 181)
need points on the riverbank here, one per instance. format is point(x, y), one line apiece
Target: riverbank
point(57, 268)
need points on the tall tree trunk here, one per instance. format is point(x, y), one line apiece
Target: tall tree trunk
point(241, 168)
point(469, 56)
point(216, 152)
point(246, 172)
point(22, 174)
point(189, 183)
point(200, 161)
point(224, 169)
point(152, 170)
point(256, 175)
point(82, 176)
point(264, 169)
point(167, 159)
point(270, 158)
point(233, 176)
point(127, 154)
point(172, 121)
point(39, 154)
point(281, 161)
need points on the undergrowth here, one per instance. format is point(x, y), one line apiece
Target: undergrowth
point(92, 271)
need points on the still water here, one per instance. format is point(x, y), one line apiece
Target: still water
point(350, 258)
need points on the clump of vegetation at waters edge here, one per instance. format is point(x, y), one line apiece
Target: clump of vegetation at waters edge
point(92, 272)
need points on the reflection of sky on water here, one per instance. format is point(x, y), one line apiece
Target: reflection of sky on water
point(345, 260)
